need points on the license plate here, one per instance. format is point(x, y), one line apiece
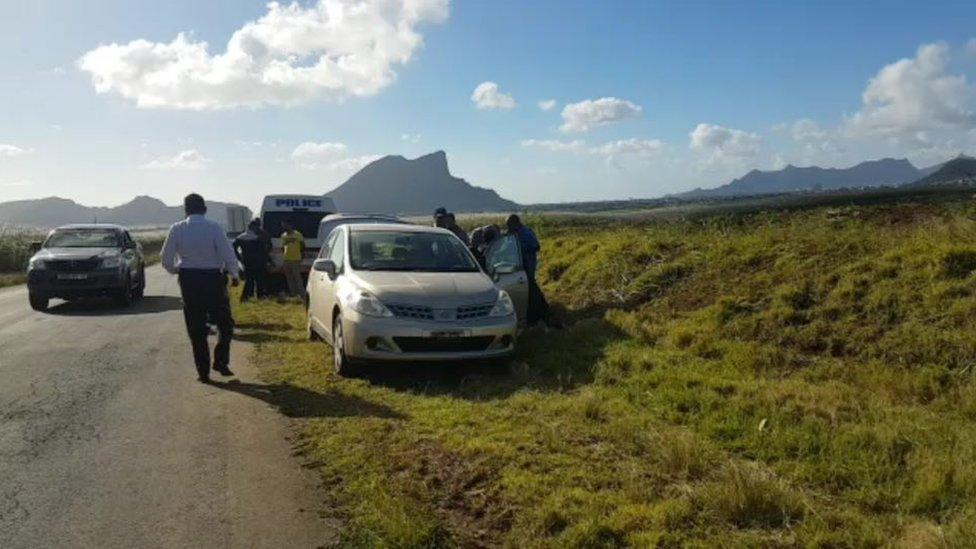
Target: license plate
point(447, 333)
point(73, 276)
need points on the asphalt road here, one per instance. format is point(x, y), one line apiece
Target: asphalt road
point(108, 440)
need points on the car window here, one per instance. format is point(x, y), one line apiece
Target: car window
point(392, 250)
point(338, 251)
point(329, 242)
point(504, 254)
point(83, 238)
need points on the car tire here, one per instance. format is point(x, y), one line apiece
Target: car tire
point(343, 365)
point(124, 297)
point(140, 290)
point(38, 302)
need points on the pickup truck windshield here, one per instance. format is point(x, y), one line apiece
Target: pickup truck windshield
point(408, 251)
point(83, 238)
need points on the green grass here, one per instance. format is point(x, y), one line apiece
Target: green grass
point(776, 379)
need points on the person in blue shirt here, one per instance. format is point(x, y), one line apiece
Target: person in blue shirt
point(529, 244)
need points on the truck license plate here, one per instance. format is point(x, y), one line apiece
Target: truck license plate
point(447, 333)
point(72, 276)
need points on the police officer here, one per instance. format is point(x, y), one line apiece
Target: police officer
point(197, 250)
point(253, 251)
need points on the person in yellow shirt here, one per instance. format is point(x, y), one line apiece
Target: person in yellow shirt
point(293, 244)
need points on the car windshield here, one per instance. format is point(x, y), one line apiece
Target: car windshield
point(306, 223)
point(83, 238)
point(408, 251)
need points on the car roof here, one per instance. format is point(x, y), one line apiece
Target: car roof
point(93, 226)
point(341, 216)
point(400, 227)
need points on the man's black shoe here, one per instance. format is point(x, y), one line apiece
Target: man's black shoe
point(204, 379)
point(223, 370)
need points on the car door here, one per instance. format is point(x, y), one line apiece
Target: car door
point(504, 262)
point(131, 256)
point(317, 289)
point(324, 297)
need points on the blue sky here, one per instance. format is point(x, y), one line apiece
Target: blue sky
point(649, 97)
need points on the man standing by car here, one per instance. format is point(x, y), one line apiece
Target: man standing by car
point(538, 306)
point(253, 252)
point(293, 249)
point(197, 250)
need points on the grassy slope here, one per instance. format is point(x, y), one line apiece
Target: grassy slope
point(776, 379)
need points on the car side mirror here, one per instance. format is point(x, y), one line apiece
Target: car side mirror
point(504, 269)
point(326, 266)
point(35, 247)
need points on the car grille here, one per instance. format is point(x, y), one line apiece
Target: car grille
point(422, 312)
point(443, 344)
point(72, 265)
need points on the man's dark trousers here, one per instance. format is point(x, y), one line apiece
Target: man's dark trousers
point(254, 281)
point(205, 294)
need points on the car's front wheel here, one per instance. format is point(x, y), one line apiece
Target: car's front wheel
point(344, 366)
point(38, 302)
point(124, 296)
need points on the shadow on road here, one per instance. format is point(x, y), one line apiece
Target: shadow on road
point(149, 304)
point(296, 402)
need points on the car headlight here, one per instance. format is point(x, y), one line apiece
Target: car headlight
point(366, 303)
point(504, 305)
point(112, 262)
point(35, 263)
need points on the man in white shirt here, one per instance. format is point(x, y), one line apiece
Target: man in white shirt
point(197, 250)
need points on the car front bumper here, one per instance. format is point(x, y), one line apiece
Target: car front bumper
point(100, 282)
point(402, 339)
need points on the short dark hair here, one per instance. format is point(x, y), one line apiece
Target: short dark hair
point(194, 204)
point(513, 219)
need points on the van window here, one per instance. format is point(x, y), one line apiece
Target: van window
point(307, 223)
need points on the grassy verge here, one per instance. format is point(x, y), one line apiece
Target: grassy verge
point(765, 380)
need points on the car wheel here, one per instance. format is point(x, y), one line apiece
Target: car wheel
point(342, 364)
point(38, 302)
point(124, 297)
point(141, 288)
point(312, 334)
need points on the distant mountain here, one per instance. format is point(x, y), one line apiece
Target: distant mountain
point(142, 211)
point(396, 185)
point(874, 173)
point(958, 170)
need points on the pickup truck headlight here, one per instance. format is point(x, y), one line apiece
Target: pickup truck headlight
point(504, 305)
point(112, 262)
point(35, 263)
point(366, 303)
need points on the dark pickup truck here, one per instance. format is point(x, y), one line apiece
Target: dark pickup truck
point(93, 260)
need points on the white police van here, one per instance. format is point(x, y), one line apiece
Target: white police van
point(304, 212)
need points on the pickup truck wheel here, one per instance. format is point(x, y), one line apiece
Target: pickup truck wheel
point(342, 364)
point(141, 288)
point(124, 297)
point(38, 302)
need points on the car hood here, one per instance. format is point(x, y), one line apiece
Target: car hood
point(430, 289)
point(75, 253)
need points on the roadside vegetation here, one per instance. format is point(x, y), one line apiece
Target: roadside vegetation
point(771, 379)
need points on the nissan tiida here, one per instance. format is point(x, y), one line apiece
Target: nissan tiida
point(404, 292)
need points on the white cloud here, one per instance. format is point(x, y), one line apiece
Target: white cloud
point(971, 47)
point(17, 183)
point(410, 137)
point(12, 150)
point(806, 130)
point(293, 54)
point(190, 159)
point(611, 149)
point(487, 96)
point(632, 146)
point(555, 145)
point(547, 104)
point(721, 141)
point(592, 113)
point(310, 152)
point(914, 94)
point(329, 156)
